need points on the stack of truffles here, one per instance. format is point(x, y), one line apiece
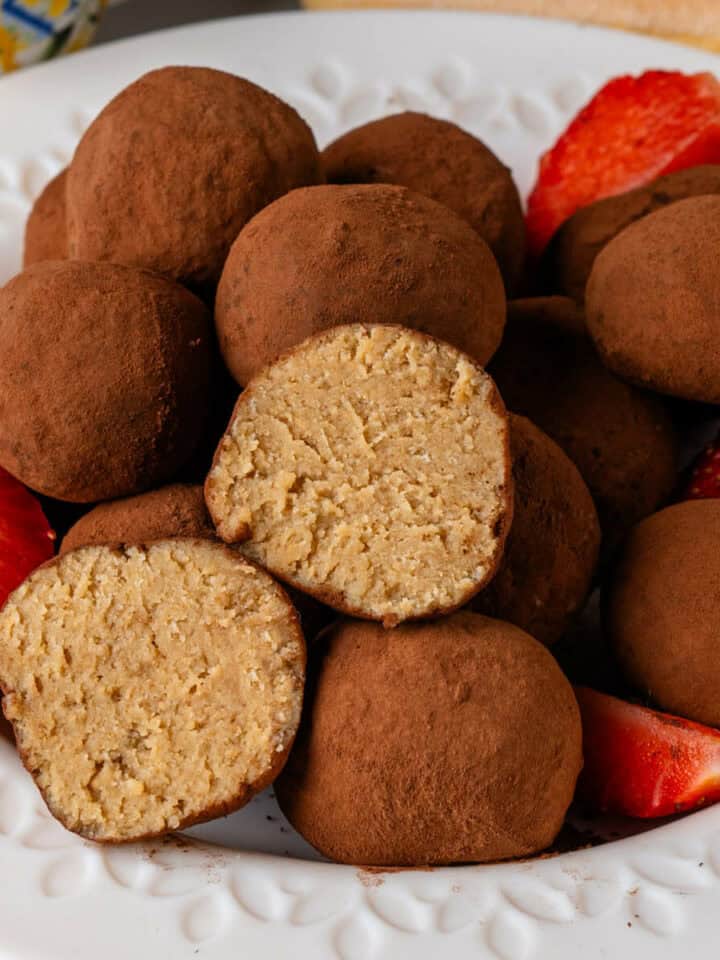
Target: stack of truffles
point(409, 475)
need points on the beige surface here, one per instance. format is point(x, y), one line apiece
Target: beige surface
point(150, 687)
point(347, 484)
point(694, 21)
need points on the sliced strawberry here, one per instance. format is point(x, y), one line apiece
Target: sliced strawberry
point(633, 130)
point(642, 763)
point(26, 539)
point(704, 480)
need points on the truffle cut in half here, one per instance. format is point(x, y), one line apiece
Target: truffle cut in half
point(370, 467)
point(150, 688)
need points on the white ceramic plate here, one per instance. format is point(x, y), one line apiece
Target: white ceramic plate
point(264, 893)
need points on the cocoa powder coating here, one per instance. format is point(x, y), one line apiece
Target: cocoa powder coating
point(653, 301)
point(572, 251)
point(662, 609)
point(177, 510)
point(444, 162)
point(176, 164)
point(46, 229)
point(332, 255)
point(452, 741)
point(621, 439)
point(103, 378)
point(552, 549)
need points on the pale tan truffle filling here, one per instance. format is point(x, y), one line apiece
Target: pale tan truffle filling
point(150, 685)
point(370, 464)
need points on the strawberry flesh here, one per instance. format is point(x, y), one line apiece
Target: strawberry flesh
point(26, 539)
point(632, 131)
point(704, 480)
point(643, 763)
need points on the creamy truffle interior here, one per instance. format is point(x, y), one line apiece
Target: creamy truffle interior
point(369, 466)
point(150, 686)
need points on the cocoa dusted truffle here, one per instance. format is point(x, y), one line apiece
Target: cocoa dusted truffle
point(572, 251)
point(552, 549)
point(142, 699)
point(176, 164)
point(46, 229)
point(370, 254)
point(652, 301)
point(104, 375)
point(621, 439)
point(662, 609)
point(444, 162)
point(369, 467)
point(177, 510)
point(446, 742)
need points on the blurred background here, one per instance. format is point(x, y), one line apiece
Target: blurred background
point(35, 30)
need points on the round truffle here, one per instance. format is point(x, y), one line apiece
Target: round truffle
point(184, 668)
point(662, 609)
point(551, 552)
point(46, 230)
point(443, 162)
point(447, 742)
point(570, 256)
point(371, 254)
point(174, 166)
point(177, 510)
point(621, 439)
point(103, 378)
point(652, 301)
point(371, 468)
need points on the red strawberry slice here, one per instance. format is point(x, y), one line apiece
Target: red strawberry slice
point(704, 480)
point(633, 130)
point(26, 539)
point(642, 763)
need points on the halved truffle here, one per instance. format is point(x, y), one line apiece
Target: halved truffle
point(173, 167)
point(551, 553)
point(446, 742)
point(46, 228)
point(621, 439)
point(440, 160)
point(370, 467)
point(367, 254)
point(104, 378)
point(150, 688)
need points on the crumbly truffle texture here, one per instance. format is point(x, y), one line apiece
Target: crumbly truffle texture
point(46, 230)
point(452, 741)
point(652, 301)
point(444, 162)
point(370, 467)
point(621, 439)
point(177, 510)
point(367, 254)
point(552, 549)
point(662, 609)
point(150, 687)
point(173, 167)
point(104, 378)
point(572, 251)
